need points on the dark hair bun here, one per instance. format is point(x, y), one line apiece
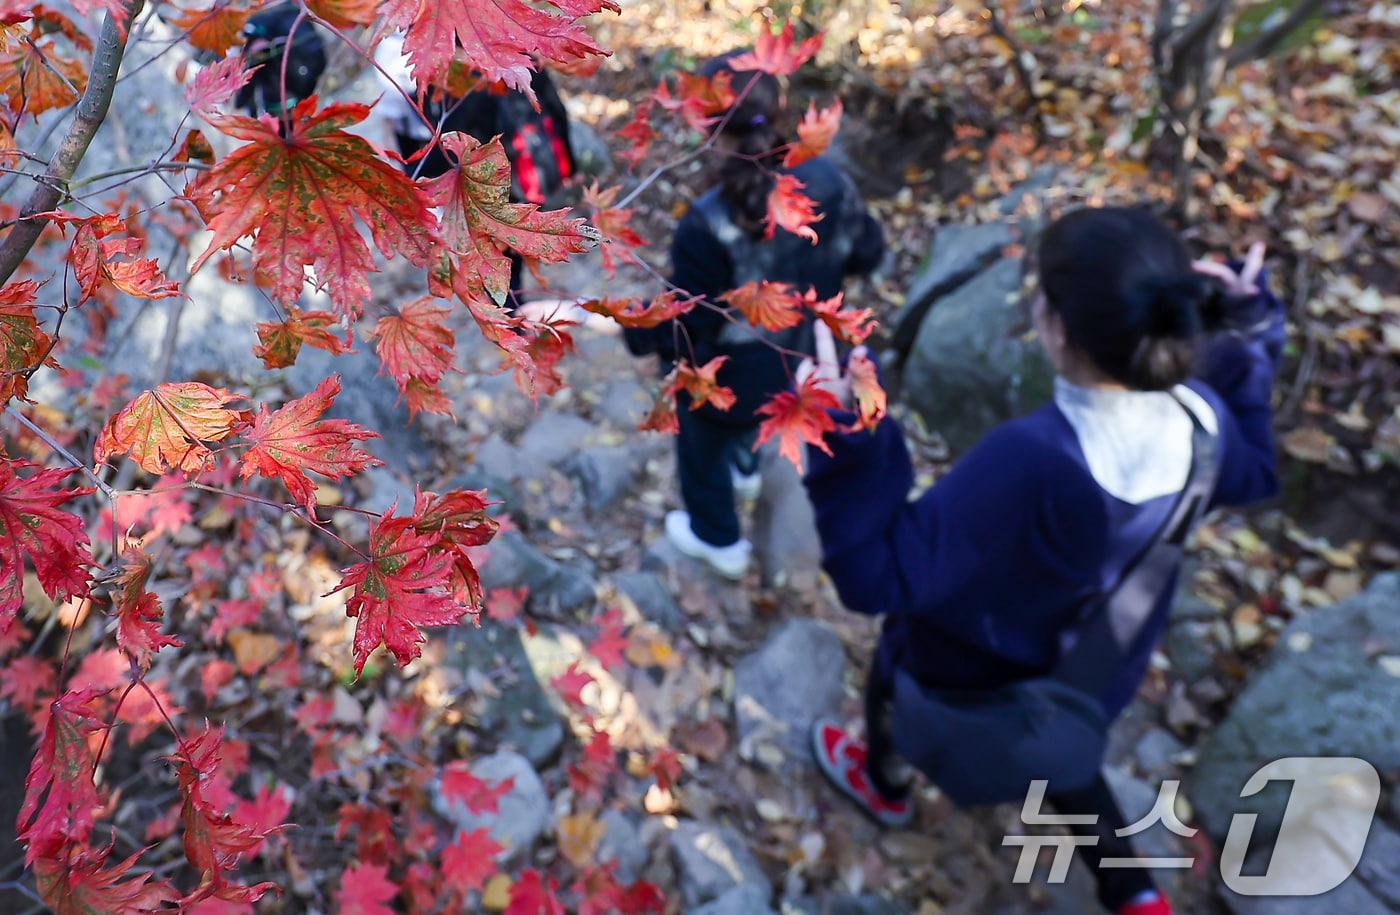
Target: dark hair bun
point(1173, 305)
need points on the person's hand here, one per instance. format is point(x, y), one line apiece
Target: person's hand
point(1243, 283)
point(825, 370)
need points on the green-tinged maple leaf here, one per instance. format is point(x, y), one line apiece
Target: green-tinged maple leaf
point(292, 440)
point(280, 342)
point(22, 342)
point(298, 197)
point(479, 221)
point(60, 798)
point(402, 586)
point(167, 426)
point(32, 525)
point(796, 418)
point(79, 885)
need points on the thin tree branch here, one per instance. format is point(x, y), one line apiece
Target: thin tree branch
point(1267, 41)
point(91, 112)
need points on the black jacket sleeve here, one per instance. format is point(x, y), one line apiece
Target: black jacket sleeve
point(867, 238)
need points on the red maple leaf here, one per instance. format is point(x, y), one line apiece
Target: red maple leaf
point(570, 684)
point(533, 896)
point(26, 678)
point(399, 588)
point(60, 797)
point(167, 426)
point(375, 831)
point(866, 390)
point(479, 221)
point(213, 86)
point(701, 384)
point(415, 344)
point(469, 860)
point(214, 841)
point(139, 612)
point(298, 197)
point(700, 99)
point(280, 342)
point(607, 646)
point(233, 613)
point(796, 418)
point(815, 134)
point(770, 305)
point(214, 675)
point(365, 889)
point(665, 765)
point(639, 133)
point(460, 785)
point(77, 884)
point(790, 209)
point(291, 441)
point(852, 325)
point(458, 518)
point(589, 775)
point(504, 604)
point(265, 812)
point(614, 224)
point(667, 306)
point(662, 415)
point(777, 54)
point(496, 37)
point(93, 259)
point(32, 525)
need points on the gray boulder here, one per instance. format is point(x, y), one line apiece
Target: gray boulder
point(648, 592)
point(592, 157)
point(712, 860)
point(1330, 688)
point(783, 687)
point(959, 253)
point(513, 562)
point(748, 899)
point(622, 842)
point(784, 531)
point(1372, 889)
point(605, 473)
point(971, 366)
point(554, 436)
point(519, 717)
point(522, 814)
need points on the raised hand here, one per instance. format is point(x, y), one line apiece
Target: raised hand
point(826, 368)
point(1243, 283)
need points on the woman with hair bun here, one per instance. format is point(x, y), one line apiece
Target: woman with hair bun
point(1023, 593)
point(719, 245)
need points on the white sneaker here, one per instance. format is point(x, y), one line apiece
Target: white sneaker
point(747, 486)
point(730, 561)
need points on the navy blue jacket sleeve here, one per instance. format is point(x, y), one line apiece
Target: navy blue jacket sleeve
point(1009, 514)
point(700, 266)
point(1239, 367)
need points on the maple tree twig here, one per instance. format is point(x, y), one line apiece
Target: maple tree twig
point(132, 169)
point(91, 112)
point(62, 451)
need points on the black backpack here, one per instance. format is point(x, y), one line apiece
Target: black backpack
point(264, 45)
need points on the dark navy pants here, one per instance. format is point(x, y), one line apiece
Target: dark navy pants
point(705, 452)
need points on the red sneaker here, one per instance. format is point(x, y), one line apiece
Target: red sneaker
point(842, 759)
point(1150, 903)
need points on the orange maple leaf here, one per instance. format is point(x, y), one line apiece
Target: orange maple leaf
point(776, 53)
point(22, 342)
point(865, 388)
point(298, 197)
point(138, 611)
point(216, 29)
point(815, 134)
point(790, 209)
point(166, 427)
point(701, 384)
point(280, 342)
point(852, 325)
point(667, 306)
point(766, 304)
point(796, 418)
point(699, 99)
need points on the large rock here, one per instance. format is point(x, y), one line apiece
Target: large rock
point(514, 563)
point(971, 366)
point(522, 814)
point(554, 436)
point(622, 843)
point(519, 716)
point(784, 530)
point(958, 254)
point(1330, 688)
point(783, 687)
point(648, 593)
point(605, 472)
point(712, 860)
point(748, 899)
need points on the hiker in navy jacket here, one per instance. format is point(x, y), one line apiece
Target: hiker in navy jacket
point(719, 246)
point(980, 578)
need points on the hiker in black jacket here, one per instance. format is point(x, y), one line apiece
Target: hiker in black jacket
point(718, 246)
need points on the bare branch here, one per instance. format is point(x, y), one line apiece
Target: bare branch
point(1267, 41)
point(88, 117)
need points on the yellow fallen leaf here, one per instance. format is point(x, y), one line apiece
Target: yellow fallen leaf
point(579, 836)
point(496, 896)
point(1309, 443)
point(254, 650)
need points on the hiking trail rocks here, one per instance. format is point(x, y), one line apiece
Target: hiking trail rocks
point(783, 687)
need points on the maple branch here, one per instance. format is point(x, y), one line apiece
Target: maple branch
point(133, 169)
point(62, 451)
point(90, 113)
